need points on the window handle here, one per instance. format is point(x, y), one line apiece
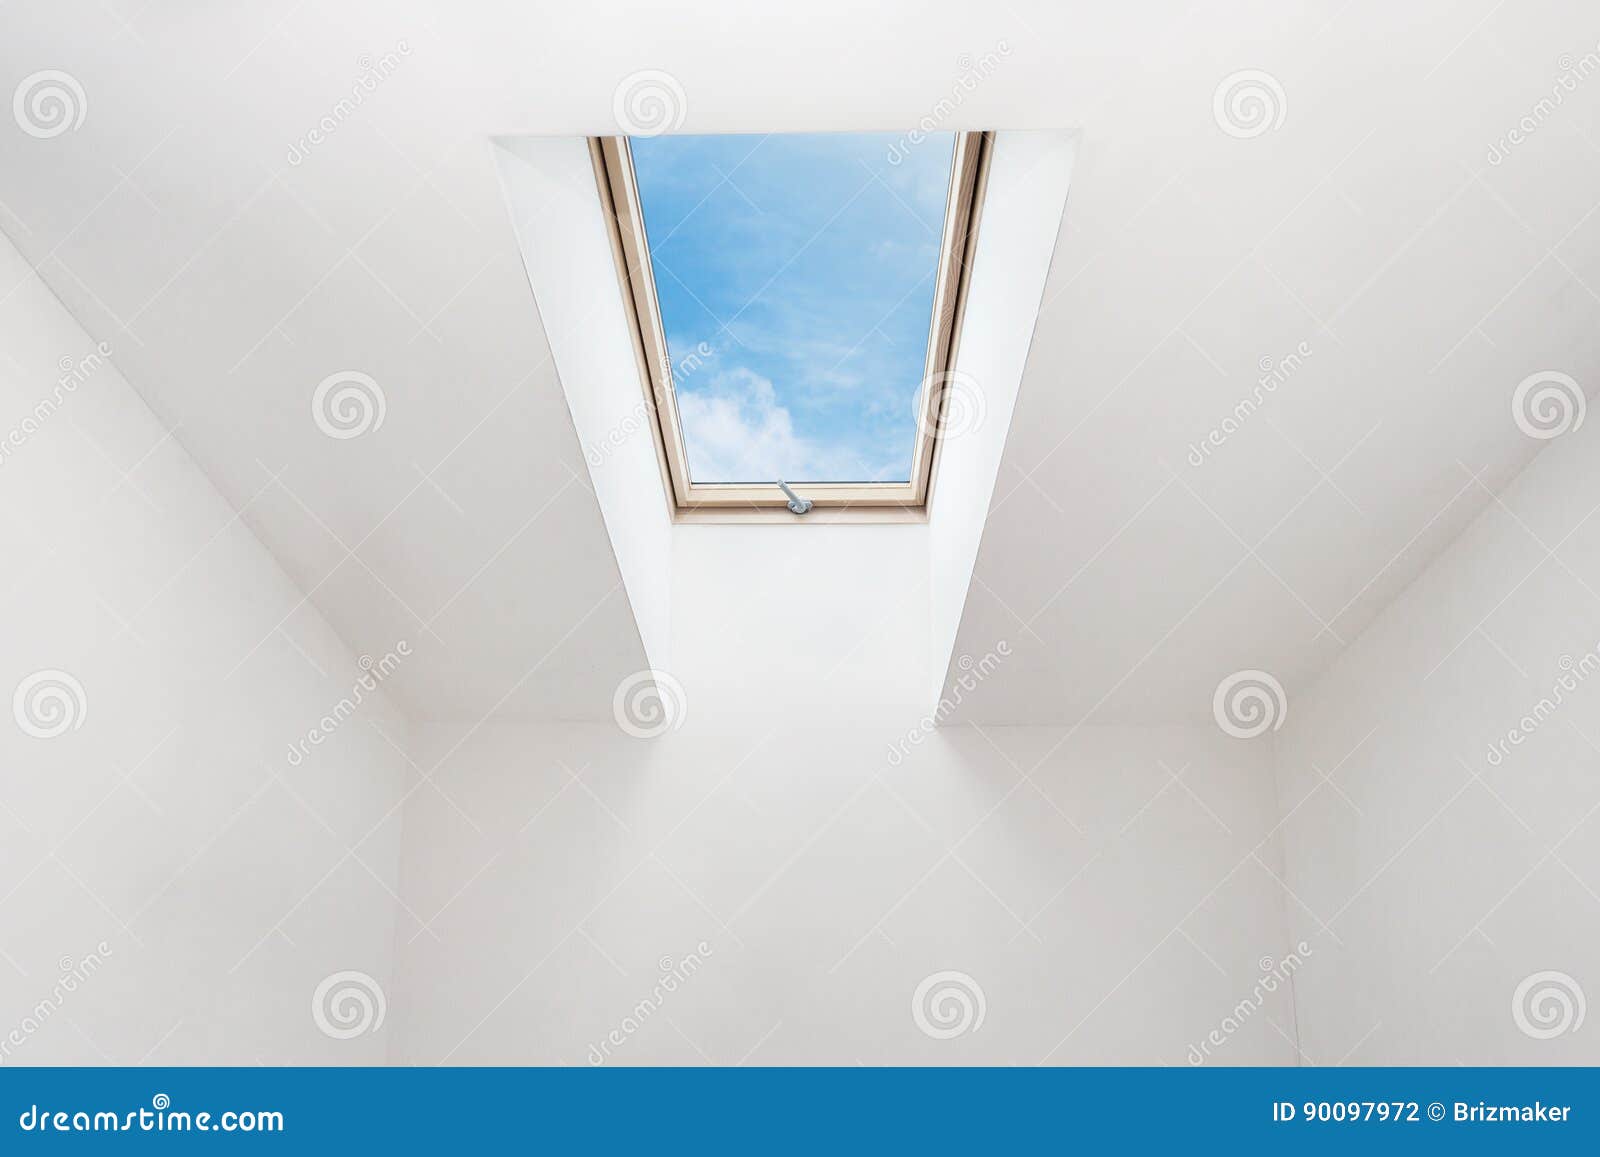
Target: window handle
point(796, 503)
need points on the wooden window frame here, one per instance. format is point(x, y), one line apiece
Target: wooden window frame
point(895, 501)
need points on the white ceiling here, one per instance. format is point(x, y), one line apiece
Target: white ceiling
point(1426, 282)
point(1368, 224)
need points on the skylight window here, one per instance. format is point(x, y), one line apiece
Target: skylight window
point(793, 297)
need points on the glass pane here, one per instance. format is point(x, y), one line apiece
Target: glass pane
point(795, 275)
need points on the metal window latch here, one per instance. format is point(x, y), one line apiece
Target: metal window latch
point(796, 503)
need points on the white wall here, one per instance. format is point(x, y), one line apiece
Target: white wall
point(165, 831)
point(1107, 915)
point(1108, 912)
point(1444, 864)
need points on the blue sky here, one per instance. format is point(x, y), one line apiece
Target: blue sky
point(805, 264)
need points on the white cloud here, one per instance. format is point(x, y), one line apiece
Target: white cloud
point(736, 431)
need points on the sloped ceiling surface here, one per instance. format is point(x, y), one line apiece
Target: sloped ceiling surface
point(1277, 368)
point(261, 197)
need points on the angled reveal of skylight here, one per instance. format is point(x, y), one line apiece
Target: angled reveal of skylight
point(795, 300)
